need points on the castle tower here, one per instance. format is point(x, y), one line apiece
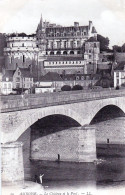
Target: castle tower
point(21, 51)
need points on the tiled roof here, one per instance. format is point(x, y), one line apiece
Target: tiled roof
point(120, 66)
point(51, 76)
point(92, 39)
point(26, 72)
point(8, 74)
point(94, 30)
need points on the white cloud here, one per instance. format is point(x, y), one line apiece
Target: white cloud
point(24, 15)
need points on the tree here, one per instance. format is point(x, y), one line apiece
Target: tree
point(66, 88)
point(104, 42)
point(117, 48)
point(77, 87)
point(123, 47)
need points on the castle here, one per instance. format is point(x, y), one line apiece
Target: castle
point(54, 48)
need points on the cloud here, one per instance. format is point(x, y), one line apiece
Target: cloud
point(24, 15)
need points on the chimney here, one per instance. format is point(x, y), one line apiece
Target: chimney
point(76, 24)
point(90, 24)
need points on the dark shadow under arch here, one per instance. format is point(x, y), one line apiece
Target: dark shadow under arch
point(51, 124)
point(106, 113)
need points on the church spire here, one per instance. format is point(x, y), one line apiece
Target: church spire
point(41, 22)
point(40, 25)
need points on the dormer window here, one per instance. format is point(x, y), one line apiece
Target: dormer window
point(7, 79)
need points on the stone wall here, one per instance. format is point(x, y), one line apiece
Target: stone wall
point(25, 139)
point(111, 129)
point(42, 100)
point(74, 144)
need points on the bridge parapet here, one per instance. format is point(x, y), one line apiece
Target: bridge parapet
point(31, 101)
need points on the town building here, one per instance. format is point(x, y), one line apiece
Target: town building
point(50, 82)
point(22, 78)
point(119, 75)
point(7, 82)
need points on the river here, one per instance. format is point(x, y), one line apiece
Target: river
point(109, 170)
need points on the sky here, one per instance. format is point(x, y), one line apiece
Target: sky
point(108, 16)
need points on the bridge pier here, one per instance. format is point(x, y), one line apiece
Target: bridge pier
point(12, 164)
point(77, 144)
point(86, 144)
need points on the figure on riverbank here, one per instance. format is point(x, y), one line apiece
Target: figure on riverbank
point(41, 178)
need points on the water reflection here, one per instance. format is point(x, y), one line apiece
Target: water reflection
point(109, 171)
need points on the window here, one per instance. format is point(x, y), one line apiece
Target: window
point(22, 44)
point(117, 74)
point(95, 45)
point(89, 56)
point(82, 78)
point(51, 45)
point(58, 44)
point(71, 43)
point(17, 85)
point(64, 44)
point(17, 79)
point(78, 43)
point(77, 77)
point(89, 50)
point(117, 81)
point(18, 72)
point(9, 86)
point(5, 86)
point(23, 58)
point(84, 33)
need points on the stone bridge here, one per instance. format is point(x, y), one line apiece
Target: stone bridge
point(20, 112)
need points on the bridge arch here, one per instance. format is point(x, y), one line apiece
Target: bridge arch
point(103, 104)
point(44, 112)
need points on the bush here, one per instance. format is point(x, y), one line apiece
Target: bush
point(77, 87)
point(123, 85)
point(66, 88)
point(117, 88)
